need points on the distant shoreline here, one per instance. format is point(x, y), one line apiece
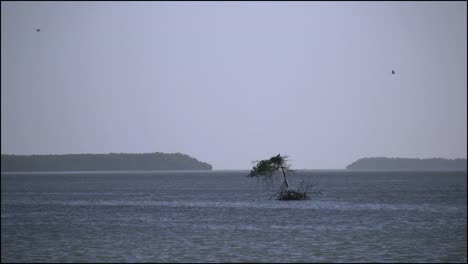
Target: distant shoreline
point(339, 171)
point(408, 164)
point(101, 162)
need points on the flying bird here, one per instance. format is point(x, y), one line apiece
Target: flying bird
point(393, 72)
point(38, 29)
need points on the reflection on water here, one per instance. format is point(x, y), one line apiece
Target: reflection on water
point(226, 217)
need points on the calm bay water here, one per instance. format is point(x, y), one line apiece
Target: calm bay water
point(223, 216)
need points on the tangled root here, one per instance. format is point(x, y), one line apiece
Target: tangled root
point(289, 195)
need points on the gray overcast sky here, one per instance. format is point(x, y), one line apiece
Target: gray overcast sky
point(232, 82)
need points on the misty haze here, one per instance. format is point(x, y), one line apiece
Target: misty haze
point(234, 132)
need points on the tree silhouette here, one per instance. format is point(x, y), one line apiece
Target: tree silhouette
point(269, 168)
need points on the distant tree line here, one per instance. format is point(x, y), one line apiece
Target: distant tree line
point(381, 163)
point(97, 162)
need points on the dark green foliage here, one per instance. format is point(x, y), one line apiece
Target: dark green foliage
point(99, 162)
point(272, 166)
point(263, 168)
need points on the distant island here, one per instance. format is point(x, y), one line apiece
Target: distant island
point(381, 163)
point(101, 162)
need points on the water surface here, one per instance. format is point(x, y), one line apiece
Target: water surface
point(223, 216)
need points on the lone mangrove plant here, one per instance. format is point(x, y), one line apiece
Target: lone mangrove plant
point(273, 166)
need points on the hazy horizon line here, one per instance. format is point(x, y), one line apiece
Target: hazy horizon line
point(390, 157)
